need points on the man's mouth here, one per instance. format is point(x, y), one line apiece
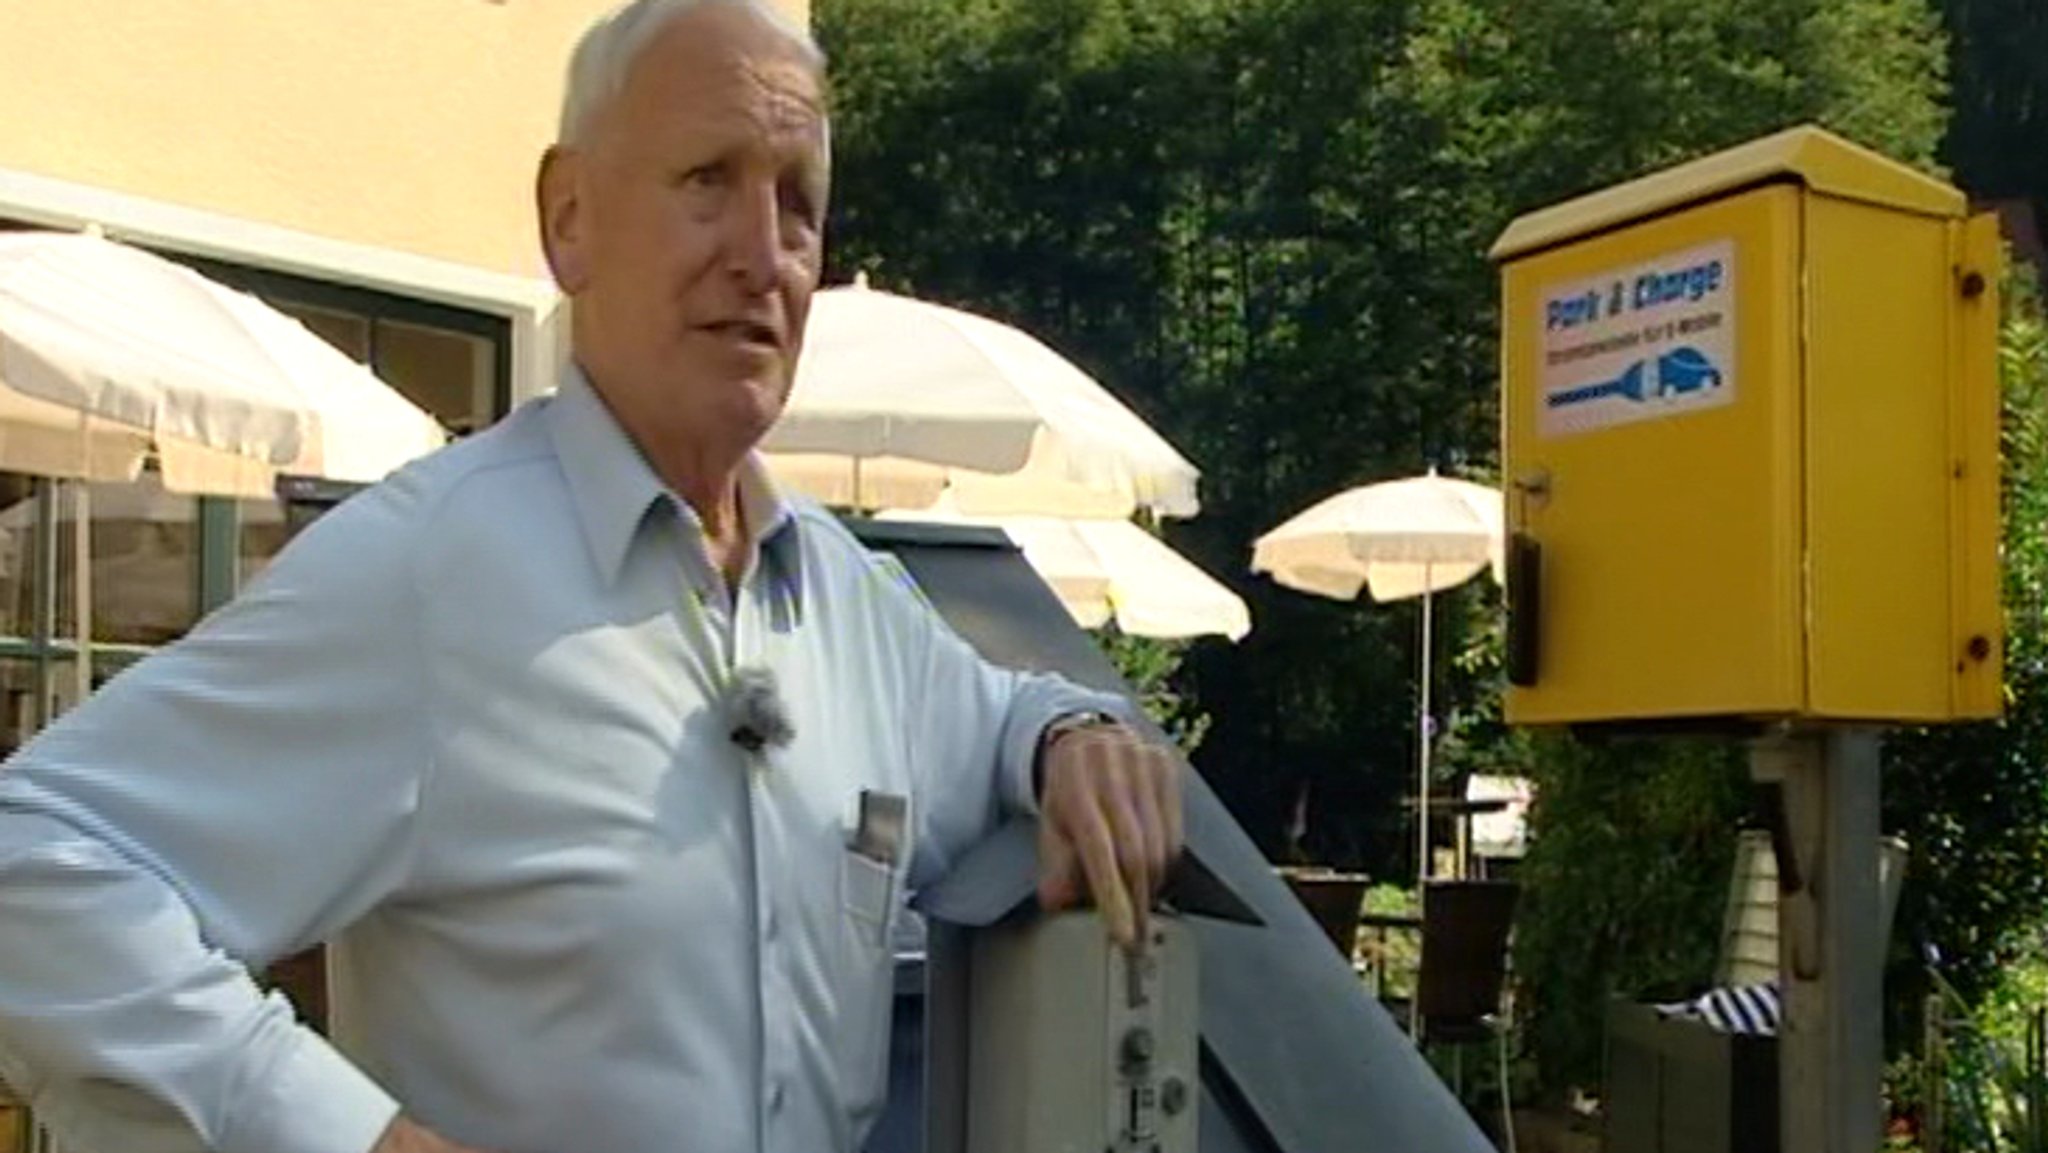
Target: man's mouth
point(747, 332)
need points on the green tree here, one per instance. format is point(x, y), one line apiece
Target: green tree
point(1265, 223)
point(1972, 800)
point(1998, 140)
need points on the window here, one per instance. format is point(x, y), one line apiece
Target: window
point(452, 362)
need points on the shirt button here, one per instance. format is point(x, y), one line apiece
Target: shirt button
point(771, 925)
point(775, 1095)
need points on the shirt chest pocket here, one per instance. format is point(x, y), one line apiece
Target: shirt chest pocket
point(870, 898)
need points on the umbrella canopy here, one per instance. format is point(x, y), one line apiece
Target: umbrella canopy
point(109, 354)
point(898, 400)
point(1397, 539)
point(1105, 570)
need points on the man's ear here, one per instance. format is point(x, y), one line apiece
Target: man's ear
point(558, 195)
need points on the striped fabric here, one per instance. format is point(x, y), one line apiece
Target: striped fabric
point(1753, 1010)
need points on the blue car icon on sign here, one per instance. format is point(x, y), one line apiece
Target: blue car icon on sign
point(1684, 370)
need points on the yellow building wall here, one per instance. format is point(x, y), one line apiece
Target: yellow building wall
point(411, 125)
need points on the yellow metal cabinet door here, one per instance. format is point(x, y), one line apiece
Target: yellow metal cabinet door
point(1651, 410)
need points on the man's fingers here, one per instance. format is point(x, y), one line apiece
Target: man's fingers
point(1139, 839)
point(402, 1136)
point(1113, 822)
point(1088, 830)
point(1060, 884)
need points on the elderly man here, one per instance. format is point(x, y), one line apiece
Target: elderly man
point(562, 737)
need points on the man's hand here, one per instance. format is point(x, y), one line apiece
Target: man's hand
point(402, 1136)
point(1111, 824)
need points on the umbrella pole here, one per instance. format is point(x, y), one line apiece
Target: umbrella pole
point(81, 589)
point(45, 624)
point(1422, 742)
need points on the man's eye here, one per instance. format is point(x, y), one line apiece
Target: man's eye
point(702, 176)
point(799, 200)
point(801, 205)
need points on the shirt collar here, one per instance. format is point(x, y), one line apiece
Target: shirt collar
point(612, 486)
point(772, 521)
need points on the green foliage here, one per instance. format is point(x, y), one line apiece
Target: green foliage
point(1624, 885)
point(1476, 737)
point(1148, 666)
point(1395, 954)
point(1264, 222)
point(1975, 1064)
point(1999, 50)
point(1972, 800)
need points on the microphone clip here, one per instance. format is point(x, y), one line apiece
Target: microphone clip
point(756, 717)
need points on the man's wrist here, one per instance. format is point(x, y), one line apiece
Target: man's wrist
point(1058, 728)
point(403, 1136)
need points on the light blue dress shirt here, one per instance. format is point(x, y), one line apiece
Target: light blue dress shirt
point(466, 728)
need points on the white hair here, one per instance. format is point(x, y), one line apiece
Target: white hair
point(605, 54)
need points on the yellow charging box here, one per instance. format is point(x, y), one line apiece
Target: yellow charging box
point(1751, 445)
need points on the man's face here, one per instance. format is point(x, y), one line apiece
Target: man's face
point(687, 226)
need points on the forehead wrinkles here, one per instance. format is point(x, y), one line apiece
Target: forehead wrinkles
point(773, 107)
point(772, 103)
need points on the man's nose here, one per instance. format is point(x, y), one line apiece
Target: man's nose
point(753, 240)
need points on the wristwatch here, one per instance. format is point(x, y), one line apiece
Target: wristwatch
point(1062, 725)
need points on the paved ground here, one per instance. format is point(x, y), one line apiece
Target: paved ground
point(1560, 1131)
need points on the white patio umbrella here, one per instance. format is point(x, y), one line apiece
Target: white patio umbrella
point(1398, 539)
point(1105, 570)
point(898, 400)
point(109, 354)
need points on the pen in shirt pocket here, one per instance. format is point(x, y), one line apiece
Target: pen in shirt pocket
point(881, 824)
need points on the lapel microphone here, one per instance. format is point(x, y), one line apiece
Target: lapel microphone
point(755, 716)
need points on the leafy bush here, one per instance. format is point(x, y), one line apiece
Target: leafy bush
point(1149, 667)
point(1624, 886)
point(1975, 1065)
point(1972, 800)
point(1627, 870)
